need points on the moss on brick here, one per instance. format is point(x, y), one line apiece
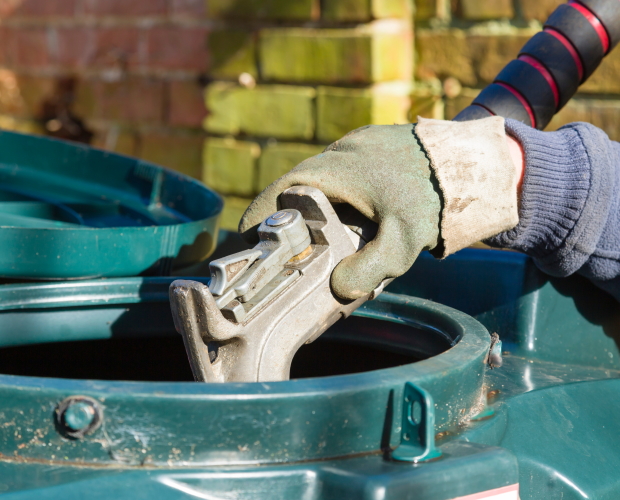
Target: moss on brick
point(473, 58)
point(340, 110)
point(234, 207)
point(277, 159)
point(232, 52)
point(366, 10)
point(281, 111)
point(486, 9)
point(223, 103)
point(176, 150)
point(229, 166)
point(289, 10)
point(335, 55)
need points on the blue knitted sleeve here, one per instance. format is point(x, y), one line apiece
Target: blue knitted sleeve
point(569, 214)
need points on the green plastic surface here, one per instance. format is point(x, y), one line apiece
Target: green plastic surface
point(550, 422)
point(71, 211)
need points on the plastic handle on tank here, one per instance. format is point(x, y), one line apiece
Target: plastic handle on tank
point(551, 65)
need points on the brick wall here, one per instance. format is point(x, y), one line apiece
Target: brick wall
point(237, 92)
point(125, 75)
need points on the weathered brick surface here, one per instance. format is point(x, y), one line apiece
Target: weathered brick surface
point(232, 212)
point(341, 110)
point(38, 8)
point(74, 46)
point(606, 79)
point(472, 58)
point(27, 47)
point(455, 105)
point(426, 104)
point(538, 10)
point(297, 10)
point(229, 166)
point(486, 9)
point(429, 9)
point(8, 122)
point(123, 7)
point(133, 99)
point(335, 55)
point(22, 96)
point(277, 159)
point(223, 103)
point(365, 10)
point(194, 8)
point(282, 111)
point(185, 104)
point(231, 53)
point(117, 139)
point(602, 113)
point(173, 149)
point(118, 46)
point(178, 47)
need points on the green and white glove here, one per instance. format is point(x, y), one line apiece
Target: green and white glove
point(435, 185)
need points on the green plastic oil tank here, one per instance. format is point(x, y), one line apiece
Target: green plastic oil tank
point(97, 399)
point(70, 211)
point(111, 343)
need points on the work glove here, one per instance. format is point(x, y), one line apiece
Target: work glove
point(416, 181)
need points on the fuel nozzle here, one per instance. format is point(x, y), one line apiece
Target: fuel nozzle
point(264, 303)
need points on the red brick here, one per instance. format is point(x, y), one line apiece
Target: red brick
point(124, 7)
point(188, 7)
point(186, 104)
point(118, 46)
point(134, 99)
point(76, 46)
point(37, 8)
point(27, 46)
point(4, 46)
point(179, 151)
point(173, 47)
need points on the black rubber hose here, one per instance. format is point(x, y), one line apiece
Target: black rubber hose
point(551, 65)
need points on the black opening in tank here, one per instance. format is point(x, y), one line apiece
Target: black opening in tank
point(353, 345)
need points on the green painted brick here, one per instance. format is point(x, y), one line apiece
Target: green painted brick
point(287, 10)
point(232, 212)
point(232, 53)
point(281, 111)
point(277, 159)
point(376, 52)
point(223, 103)
point(340, 110)
point(229, 166)
point(365, 10)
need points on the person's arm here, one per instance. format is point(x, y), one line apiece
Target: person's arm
point(569, 207)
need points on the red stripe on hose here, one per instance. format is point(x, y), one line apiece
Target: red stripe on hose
point(570, 48)
point(596, 24)
point(521, 99)
point(546, 75)
point(483, 107)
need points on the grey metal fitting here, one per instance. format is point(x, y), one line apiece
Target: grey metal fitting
point(287, 224)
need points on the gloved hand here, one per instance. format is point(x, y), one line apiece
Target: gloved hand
point(383, 172)
point(386, 173)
